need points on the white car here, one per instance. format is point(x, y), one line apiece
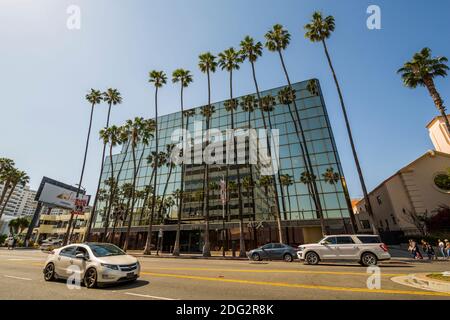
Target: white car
point(95, 264)
point(364, 249)
point(50, 244)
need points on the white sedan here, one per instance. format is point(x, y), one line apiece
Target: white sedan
point(93, 263)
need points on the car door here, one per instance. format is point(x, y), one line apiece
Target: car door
point(328, 248)
point(277, 251)
point(78, 265)
point(63, 261)
point(266, 251)
point(347, 249)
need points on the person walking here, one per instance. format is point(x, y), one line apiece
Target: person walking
point(441, 246)
point(418, 255)
point(10, 242)
point(429, 251)
point(447, 248)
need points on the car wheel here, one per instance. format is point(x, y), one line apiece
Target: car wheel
point(49, 272)
point(90, 278)
point(312, 258)
point(369, 259)
point(256, 257)
point(288, 257)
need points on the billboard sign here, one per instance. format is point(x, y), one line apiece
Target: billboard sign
point(57, 194)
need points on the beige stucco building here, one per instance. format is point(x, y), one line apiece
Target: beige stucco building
point(418, 188)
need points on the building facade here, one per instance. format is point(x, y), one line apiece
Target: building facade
point(258, 201)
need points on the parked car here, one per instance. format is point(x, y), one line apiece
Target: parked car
point(273, 251)
point(98, 264)
point(367, 250)
point(50, 244)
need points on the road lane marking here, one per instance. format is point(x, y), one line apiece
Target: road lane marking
point(279, 271)
point(19, 278)
point(300, 286)
point(147, 296)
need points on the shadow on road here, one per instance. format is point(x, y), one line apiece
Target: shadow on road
point(362, 267)
point(126, 285)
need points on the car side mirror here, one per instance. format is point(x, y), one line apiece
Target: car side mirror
point(80, 256)
point(324, 243)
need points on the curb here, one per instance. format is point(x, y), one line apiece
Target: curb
point(421, 281)
point(188, 257)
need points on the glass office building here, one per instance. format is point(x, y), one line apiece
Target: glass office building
point(258, 204)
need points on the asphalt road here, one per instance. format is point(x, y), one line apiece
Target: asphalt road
point(185, 279)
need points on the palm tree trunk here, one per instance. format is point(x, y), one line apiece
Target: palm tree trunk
point(148, 242)
point(133, 193)
point(66, 237)
point(352, 144)
point(308, 165)
point(207, 244)
point(111, 191)
point(437, 101)
point(165, 191)
point(277, 203)
point(2, 198)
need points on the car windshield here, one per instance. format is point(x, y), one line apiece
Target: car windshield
point(105, 250)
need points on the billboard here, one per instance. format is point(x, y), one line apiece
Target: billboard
point(54, 193)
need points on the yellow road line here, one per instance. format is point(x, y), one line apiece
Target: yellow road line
point(300, 286)
point(280, 271)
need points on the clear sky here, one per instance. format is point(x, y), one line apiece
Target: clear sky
point(46, 70)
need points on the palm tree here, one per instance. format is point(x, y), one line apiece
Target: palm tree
point(136, 127)
point(277, 40)
point(332, 177)
point(6, 167)
point(265, 182)
point(183, 77)
point(318, 30)
point(206, 112)
point(230, 60)
point(158, 79)
point(122, 208)
point(93, 97)
point(168, 162)
point(421, 71)
point(112, 97)
point(15, 178)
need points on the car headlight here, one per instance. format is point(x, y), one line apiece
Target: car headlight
point(110, 266)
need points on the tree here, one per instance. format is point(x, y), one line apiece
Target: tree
point(112, 97)
point(332, 177)
point(183, 77)
point(15, 177)
point(319, 30)
point(287, 181)
point(230, 60)
point(158, 79)
point(421, 71)
point(6, 167)
point(277, 40)
point(206, 112)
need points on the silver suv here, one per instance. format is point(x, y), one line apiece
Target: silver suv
point(367, 250)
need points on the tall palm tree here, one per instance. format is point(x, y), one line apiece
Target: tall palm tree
point(421, 71)
point(331, 177)
point(112, 97)
point(277, 40)
point(319, 30)
point(265, 182)
point(158, 79)
point(183, 77)
point(6, 167)
point(93, 97)
point(207, 64)
point(136, 127)
point(230, 60)
point(206, 112)
point(16, 177)
point(110, 136)
point(168, 162)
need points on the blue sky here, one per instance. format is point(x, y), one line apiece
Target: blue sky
point(46, 70)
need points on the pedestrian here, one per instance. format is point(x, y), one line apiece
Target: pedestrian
point(429, 251)
point(447, 247)
point(441, 246)
point(10, 242)
point(418, 255)
point(412, 248)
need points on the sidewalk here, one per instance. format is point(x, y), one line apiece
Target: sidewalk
point(421, 281)
point(215, 255)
